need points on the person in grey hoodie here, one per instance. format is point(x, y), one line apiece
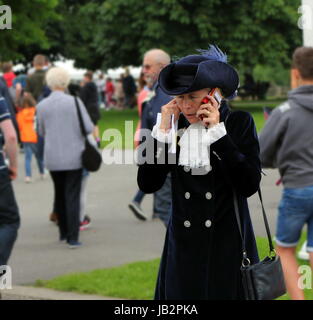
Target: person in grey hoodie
point(58, 123)
point(286, 143)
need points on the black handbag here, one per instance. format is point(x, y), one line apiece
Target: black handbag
point(265, 279)
point(91, 157)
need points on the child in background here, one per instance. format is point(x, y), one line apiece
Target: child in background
point(29, 138)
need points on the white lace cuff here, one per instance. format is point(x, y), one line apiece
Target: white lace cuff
point(216, 132)
point(165, 137)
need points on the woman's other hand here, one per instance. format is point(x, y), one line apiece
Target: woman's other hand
point(167, 111)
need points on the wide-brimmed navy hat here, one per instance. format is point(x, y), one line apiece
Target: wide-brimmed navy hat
point(209, 69)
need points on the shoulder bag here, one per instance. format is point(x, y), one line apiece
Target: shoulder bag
point(91, 157)
point(265, 279)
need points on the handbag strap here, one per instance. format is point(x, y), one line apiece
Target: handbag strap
point(267, 227)
point(81, 123)
point(245, 260)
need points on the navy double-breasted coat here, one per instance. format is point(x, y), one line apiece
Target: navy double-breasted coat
point(203, 250)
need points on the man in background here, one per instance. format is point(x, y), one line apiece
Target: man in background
point(153, 62)
point(35, 81)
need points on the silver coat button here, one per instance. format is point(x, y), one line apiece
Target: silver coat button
point(208, 195)
point(208, 223)
point(158, 154)
point(187, 224)
point(187, 195)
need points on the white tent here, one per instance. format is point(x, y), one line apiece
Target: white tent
point(77, 74)
point(306, 22)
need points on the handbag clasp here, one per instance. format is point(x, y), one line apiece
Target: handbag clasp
point(245, 261)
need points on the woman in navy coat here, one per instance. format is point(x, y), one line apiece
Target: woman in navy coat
point(211, 153)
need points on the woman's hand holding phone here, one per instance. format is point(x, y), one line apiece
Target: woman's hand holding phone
point(167, 111)
point(208, 112)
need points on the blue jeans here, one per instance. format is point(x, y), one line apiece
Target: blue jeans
point(29, 149)
point(162, 204)
point(295, 210)
point(139, 196)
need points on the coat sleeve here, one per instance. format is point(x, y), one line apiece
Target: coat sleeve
point(154, 164)
point(145, 115)
point(271, 136)
point(238, 153)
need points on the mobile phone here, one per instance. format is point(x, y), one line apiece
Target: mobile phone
point(213, 93)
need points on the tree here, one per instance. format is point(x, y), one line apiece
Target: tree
point(102, 34)
point(251, 32)
point(28, 27)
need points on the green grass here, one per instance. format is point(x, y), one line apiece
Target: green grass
point(131, 281)
point(256, 109)
point(116, 119)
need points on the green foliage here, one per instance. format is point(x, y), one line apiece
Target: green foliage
point(29, 19)
point(111, 33)
point(275, 74)
point(254, 32)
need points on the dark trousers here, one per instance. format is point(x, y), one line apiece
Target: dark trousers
point(9, 217)
point(40, 148)
point(8, 235)
point(67, 185)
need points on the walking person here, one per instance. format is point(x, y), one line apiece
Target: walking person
point(135, 204)
point(100, 83)
point(36, 81)
point(89, 96)
point(9, 76)
point(9, 212)
point(129, 87)
point(58, 122)
point(109, 92)
point(153, 62)
point(119, 94)
point(287, 144)
point(216, 153)
point(26, 122)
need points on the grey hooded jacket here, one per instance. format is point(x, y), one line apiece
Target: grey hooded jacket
point(286, 142)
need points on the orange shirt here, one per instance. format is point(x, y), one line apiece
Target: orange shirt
point(25, 119)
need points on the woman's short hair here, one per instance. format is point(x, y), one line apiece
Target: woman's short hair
point(57, 78)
